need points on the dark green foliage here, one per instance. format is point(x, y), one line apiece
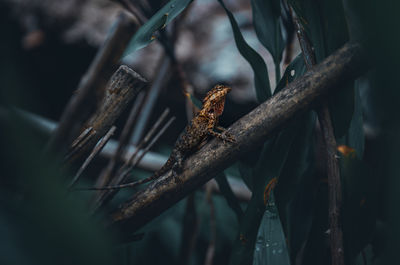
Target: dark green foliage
point(229, 195)
point(269, 163)
point(271, 246)
point(146, 33)
point(326, 25)
point(359, 206)
point(41, 223)
point(266, 20)
point(261, 79)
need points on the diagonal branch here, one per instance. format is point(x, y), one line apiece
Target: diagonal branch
point(251, 130)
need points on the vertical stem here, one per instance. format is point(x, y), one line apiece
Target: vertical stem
point(334, 187)
point(333, 173)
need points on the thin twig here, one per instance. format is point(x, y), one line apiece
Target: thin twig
point(129, 165)
point(151, 161)
point(148, 136)
point(151, 99)
point(92, 155)
point(252, 129)
point(80, 143)
point(333, 172)
point(123, 142)
point(153, 141)
point(80, 138)
point(125, 173)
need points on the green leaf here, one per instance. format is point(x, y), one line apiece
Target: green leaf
point(271, 242)
point(196, 101)
point(146, 33)
point(243, 248)
point(355, 136)
point(360, 204)
point(266, 20)
point(257, 158)
point(295, 68)
point(261, 79)
point(294, 194)
point(269, 165)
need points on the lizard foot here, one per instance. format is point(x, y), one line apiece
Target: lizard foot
point(227, 137)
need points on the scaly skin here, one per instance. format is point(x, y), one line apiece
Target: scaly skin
point(201, 126)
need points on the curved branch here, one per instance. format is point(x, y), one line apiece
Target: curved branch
point(251, 130)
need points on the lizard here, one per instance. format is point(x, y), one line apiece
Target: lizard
point(204, 124)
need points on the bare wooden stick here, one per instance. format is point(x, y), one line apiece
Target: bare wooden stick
point(124, 85)
point(251, 130)
point(123, 142)
point(151, 161)
point(149, 135)
point(151, 98)
point(128, 165)
point(96, 150)
point(126, 171)
point(333, 172)
point(95, 79)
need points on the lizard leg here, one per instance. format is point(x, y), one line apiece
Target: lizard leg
point(219, 128)
point(223, 136)
point(224, 131)
point(212, 123)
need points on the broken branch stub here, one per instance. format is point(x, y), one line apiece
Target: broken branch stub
point(124, 85)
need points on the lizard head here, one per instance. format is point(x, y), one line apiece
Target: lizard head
point(214, 101)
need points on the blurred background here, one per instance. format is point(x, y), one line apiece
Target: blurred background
point(47, 48)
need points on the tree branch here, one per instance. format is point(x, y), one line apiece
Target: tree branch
point(124, 85)
point(251, 130)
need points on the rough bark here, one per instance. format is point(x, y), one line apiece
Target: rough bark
point(125, 84)
point(250, 131)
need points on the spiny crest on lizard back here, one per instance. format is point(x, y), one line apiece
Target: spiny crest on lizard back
point(214, 101)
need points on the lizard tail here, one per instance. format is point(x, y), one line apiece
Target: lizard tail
point(167, 166)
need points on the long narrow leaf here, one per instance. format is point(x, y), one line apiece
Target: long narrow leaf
point(261, 79)
point(266, 20)
point(271, 161)
point(271, 242)
point(166, 14)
